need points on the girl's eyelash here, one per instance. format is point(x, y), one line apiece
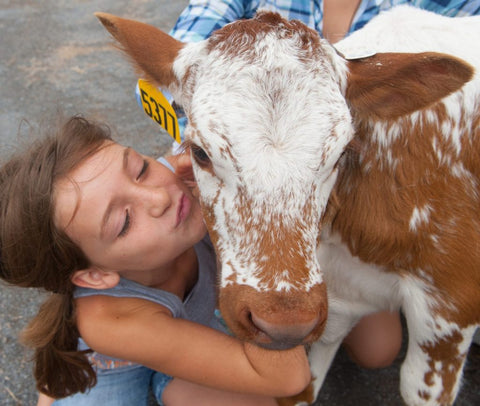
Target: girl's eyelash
point(143, 170)
point(126, 225)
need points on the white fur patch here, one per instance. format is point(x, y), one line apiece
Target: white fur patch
point(420, 215)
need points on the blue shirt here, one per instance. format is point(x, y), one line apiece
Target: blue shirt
point(202, 17)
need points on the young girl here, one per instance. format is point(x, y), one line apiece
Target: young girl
point(120, 242)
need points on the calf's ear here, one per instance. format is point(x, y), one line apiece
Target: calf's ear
point(152, 51)
point(389, 85)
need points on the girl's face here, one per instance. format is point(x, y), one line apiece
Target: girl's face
point(127, 212)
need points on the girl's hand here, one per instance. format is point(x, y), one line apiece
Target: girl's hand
point(182, 164)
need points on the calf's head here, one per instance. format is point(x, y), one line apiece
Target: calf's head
point(267, 123)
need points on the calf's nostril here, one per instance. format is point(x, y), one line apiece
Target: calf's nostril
point(246, 320)
point(291, 332)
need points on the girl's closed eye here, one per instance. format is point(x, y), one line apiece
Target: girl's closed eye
point(126, 225)
point(143, 170)
point(127, 221)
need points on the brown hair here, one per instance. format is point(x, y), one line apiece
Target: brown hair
point(34, 253)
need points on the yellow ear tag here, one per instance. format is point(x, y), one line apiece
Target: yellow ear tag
point(157, 107)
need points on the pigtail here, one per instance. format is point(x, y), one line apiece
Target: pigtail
point(34, 253)
point(59, 369)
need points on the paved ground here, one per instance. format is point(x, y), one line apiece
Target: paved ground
point(56, 56)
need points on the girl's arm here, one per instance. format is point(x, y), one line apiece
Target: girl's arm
point(144, 332)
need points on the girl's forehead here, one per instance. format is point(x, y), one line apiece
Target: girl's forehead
point(96, 162)
point(84, 183)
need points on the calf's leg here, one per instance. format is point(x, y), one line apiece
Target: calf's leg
point(437, 349)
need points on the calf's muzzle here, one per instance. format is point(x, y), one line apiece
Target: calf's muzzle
point(275, 319)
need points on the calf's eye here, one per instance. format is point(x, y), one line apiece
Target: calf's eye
point(200, 156)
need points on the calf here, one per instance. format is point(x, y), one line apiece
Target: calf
point(324, 173)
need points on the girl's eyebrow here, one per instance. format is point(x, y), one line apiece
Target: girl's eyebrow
point(108, 211)
point(105, 220)
point(126, 153)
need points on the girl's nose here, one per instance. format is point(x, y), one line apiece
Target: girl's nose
point(157, 201)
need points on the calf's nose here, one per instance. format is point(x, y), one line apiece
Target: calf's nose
point(281, 335)
point(272, 319)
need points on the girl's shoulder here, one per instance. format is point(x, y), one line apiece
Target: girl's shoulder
point(127, 289)
point(102, 319)
point(100, 309)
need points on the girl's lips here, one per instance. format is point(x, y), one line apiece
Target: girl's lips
point(183, 209)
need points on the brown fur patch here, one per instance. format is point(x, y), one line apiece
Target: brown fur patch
point(288, 250)
point(376, 205)
point(239, 37)
point(445, 362)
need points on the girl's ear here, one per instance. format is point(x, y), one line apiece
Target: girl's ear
point(95, 278)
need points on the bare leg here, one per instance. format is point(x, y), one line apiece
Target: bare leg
point(179, 393)
point(375, 341)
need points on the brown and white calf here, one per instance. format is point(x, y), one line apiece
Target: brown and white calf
point(320, 173)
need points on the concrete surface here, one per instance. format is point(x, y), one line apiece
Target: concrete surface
point(55, 56)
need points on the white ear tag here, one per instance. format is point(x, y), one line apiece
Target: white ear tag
point(359, 54)
point(157, 107)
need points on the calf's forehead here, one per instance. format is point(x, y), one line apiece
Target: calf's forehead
point(287, 120)
point(271, 116)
